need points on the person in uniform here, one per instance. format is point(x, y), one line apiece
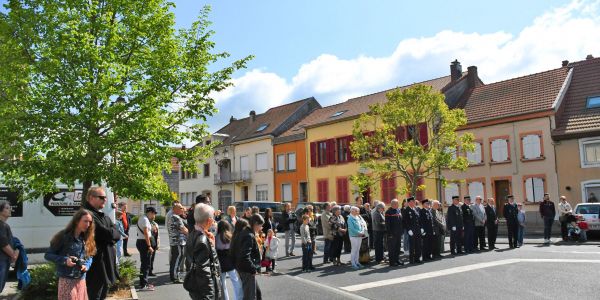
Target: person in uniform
point(454, 223)
point(439, 229)
point(491, 223)
point(512, 222)
point(469, 225)
point(394, 231)
point(426, 219)
point(413, 226)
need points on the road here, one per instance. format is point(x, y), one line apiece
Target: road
point(558, 271)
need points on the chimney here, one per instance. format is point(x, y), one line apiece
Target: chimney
point(589, 56)
point(565, 63)
point(252, 116)
point(455, 70)
point(183, 147)
point(473, 79)
point(232, 119)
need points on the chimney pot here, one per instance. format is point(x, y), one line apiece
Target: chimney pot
point(455, 70)
point(565, 63)
point(252, 116)
point(589, 56)
point(472, 77)
point(183, 147)
point(231, 119)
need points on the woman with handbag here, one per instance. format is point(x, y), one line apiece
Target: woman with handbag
point(338, 227)
point(203, 281)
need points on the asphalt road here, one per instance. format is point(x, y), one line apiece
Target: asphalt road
point(559, 271)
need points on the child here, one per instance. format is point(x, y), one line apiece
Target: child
point(307, 251)
point(272, 242)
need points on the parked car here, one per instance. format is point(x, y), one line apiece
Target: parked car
point(276, 207)
point(591, 215)
point(318, 208)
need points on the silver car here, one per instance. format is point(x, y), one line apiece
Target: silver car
point(590, 213)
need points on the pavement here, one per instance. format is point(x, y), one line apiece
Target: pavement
point(534, 271)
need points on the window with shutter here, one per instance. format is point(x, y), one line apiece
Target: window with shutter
point(475, 157)
point(450, 190)
point(388, 189)
point(534, 189)
point(349, 140)
point(322, 153)
point(423, 135)
point(401, 134)
point(499, 150)
point(531, 146)
point(330, 151)
point(589, 152)
point(343, 149)
point(342, 190)
point(313, 154)
point(322, 190)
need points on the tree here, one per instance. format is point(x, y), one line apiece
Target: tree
point(411, 136)
point(98, 92)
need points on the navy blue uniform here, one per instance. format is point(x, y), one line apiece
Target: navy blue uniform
point(454, 223)
point(394, 231)
point(427, 225)
point(413, 223)
point(510, 213)
point(469, 228)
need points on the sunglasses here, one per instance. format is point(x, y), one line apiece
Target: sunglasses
point(101, 197)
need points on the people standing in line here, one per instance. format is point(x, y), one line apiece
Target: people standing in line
point(246, 255)
point(512, 223)
point(378, 224)
point(357, 230)
point(339, 230)
point(413, 225)
point(289, 227)
point(271, 248)
point(491, 222)
point(428, 237)
point(223, 245)
point(103, 272)
point(307, 251)
point(126, 219)
point(522, 223)
point(548, 212)
point(72, 249)
point(469, 225)
point(155, 244)
point(345, 215)
point(177, 240)
point(454, 223)
point(121, 229)
point(268, 225)
point(439, 229)
point(564, 208)
point(145, 247)
point(405, 236)
point(366, 215)
point(327, 234)
point(394, 231)
point(231, 216)
point(480, 221)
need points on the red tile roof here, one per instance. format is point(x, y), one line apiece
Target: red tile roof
point(516, 96)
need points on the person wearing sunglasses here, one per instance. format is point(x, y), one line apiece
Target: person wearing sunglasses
point(103, 271)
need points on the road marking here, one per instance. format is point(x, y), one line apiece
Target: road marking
point(329, 288)
point(450, 271)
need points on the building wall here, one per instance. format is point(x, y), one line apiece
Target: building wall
point(332, 172)
point(294, 178)
point(571, 176)
point(258, 177)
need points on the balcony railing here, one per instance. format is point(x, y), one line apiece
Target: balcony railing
point(233, 177)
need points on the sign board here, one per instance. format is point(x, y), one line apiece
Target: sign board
point(13, 198)
point(64, 203)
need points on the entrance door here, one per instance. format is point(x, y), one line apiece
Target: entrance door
point(245, 193)
point(303, 195)
point(501, 190)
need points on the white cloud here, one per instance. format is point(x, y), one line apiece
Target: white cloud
point(569, 32)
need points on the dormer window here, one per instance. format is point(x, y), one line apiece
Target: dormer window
point(339, 113)
point(262, 127)
point(593, 102)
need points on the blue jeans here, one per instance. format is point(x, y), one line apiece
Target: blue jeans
point(520, 234)
point(307, 255)
point(327, 251)
point(548, 227)
point(4, 265)
point(238, 291)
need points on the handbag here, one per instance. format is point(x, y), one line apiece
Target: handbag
point(191, 283)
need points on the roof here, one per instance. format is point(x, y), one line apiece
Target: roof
point(174, 164)
point(516, 96)
point(574, 119)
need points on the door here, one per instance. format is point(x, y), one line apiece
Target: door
point(245, 193)
point(501, 190)
point(225, 170)
point(303, 195)
point(366, 196)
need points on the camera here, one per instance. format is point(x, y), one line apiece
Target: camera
point(78, 262)
point(76, 271)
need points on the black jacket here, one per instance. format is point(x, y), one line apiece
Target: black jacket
point(468, 217)
point(104, 267)
point(288, 219)
point(454, 217)
point(190, 220)
point(426, 219)
point(244, 252)
point(366, 215)
point(510, 213)
point(412, 220)
point(491, 215)
point(393, 221)
point(200, 251)
point(268, 224)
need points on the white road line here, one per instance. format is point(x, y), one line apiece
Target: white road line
point(329, 288)
point(450, 271)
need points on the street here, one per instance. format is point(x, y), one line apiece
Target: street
point(559, 271)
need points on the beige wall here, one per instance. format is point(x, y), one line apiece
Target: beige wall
point(570, 173)
point(250, 149)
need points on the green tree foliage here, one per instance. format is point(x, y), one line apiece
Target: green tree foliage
point(98, 91)
point(388, 141)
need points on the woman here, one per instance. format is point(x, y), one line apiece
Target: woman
point(268, 221)
point(71, 249)
point(224, 236)
point(231, 216)
point(200, 250)
point(244, 243)
point(338, 228)
point(357, 229)
point(8, 254)
point(121, 229)
point(312, 225)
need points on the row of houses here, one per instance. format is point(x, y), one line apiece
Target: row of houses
point(534, 134)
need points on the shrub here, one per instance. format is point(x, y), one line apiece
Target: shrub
point(134, 220)
point(127, 274)
point(44, 283)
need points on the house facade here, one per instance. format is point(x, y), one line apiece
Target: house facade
point(291, 184)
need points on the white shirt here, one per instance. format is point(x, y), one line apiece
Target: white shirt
point(142, 224)
point(564, 208)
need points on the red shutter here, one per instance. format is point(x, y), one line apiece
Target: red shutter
point(313, 154)
point(330, 147)
point(423, 134)
point(324, 191)
point(401, 134)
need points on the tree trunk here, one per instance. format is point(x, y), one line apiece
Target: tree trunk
point(86, 187)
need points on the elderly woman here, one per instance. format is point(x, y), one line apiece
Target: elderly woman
point(338, 230)
point(357, 229)
point(200, 250)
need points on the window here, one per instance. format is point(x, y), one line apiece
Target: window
point(450, 190)
point(589, 152)
point(342, 190)
point(534, 188)
point(593, 102)
point(286, 192)
point(193, 199)
point(195, 175)
point(322, 153)
point(262, 127)
point(500, 150)
point(590, 191)
point(343, 149)
point(261, 162)
point(291, 161)
point(322, 190)
point(182, 171)
point(280, 162)
point(388, 189)
point(475, 157)
point(476, 188)
point(206, 170)
point(182, 198)
point(262, 192)
point(531, 146)
point(244, 164)
point(452, 152)
point(302, 192)
point(339, 113)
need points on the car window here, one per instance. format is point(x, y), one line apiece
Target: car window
point(588, 209)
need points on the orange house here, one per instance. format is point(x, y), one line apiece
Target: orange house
point(289, 154)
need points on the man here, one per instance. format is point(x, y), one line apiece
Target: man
point(411, 215)
point(177, 240)
point(289, 223)
point(491, 223)
point(345, 215)
point(439, 230)
point(480, 220)
point(327, 234)
point(426, 219)
point(378, 230)
point(126, 219)
point(548, 212)
point(512, 223)
point(103, 272)
point(394, 231)
point(365, 213)
point(469, 224)
point(144, 247)
point(190, 217)
point(592, 198)
point(564, 208)
point(454, 222)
